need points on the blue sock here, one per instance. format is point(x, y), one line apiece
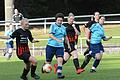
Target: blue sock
point(96, 63)
point(59, 70)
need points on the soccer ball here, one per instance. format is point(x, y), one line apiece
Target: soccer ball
point(47, 68)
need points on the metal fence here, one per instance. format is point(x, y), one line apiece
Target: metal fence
point(79, 20)
point(82, 19)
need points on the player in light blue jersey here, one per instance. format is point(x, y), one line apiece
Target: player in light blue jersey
point(55, 44)
point(96, 47)
point(9, 42)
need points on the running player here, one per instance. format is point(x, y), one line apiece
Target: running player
point(22, 49)
point(96, 47)
point(73, 31)
point(88, 35)
point(55, 44)
point(9, 42)
point(87, 31)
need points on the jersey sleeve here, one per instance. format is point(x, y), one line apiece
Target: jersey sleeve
point(92, 28)
point(30, 36)
point(65, 32)
point(78, 28)
point(89, 24)
point(52, 29)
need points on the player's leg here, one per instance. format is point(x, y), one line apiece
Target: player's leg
point(25, 70)
point(87, 50)
point(25, 58)
point(9, 51)
point(76, 62)
point(33, 67)
point(67, 54)
point(59, 55)
point(97, 52)
point(86, 61)
point(66, 57)
point(98, 58)
point(50, 51)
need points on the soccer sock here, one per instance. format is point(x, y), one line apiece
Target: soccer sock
point(86, 52)
point(64, 62)
point(76, 63)
point(96, 63)
point(59, 70)
point(86, 61)
point(33, 69)
point(25, 72)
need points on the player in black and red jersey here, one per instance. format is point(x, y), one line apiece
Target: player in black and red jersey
point(22, 36)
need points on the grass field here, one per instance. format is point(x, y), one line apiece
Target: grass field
point(109, 69)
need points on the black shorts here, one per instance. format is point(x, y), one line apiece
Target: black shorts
point(72, 45)
point(88, 43)
point(25, 57)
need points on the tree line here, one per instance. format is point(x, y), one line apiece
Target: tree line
point(47, 8)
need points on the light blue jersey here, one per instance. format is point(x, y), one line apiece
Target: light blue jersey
point(97, 33)
point(59, 32)
point(8, 33)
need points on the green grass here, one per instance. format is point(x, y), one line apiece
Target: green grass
point(109, 69)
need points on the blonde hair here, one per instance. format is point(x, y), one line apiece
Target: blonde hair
point(70, 14)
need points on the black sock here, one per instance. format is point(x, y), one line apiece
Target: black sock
point(76, 63)
point(33, 69)
point(96, 63)
point(25, 72)
point(86, 61)
point(64, 62)
point(86, 52)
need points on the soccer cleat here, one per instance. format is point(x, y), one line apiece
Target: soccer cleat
point(79, 70)
point(61, 77)
point(23, 78)
point(35, 76)
point(55, 68)
point(92, 70)
point(8, 55)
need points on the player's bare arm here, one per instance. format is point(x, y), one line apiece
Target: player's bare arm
point(106, 39)
point(5, 37)
point(51, 36)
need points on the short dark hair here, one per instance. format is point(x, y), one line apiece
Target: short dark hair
point(101, 16)
point(60, 15)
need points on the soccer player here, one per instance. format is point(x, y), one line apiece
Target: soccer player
point(9, 42)
point(87, 27)
point(96, 47)
point(22, 49)
point(55, 44)
point(73, 31)
point(88, 35)
point(17, 17)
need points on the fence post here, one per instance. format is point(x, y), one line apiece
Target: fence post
point(45, 26)
point(33, 48)
point(81, 49)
